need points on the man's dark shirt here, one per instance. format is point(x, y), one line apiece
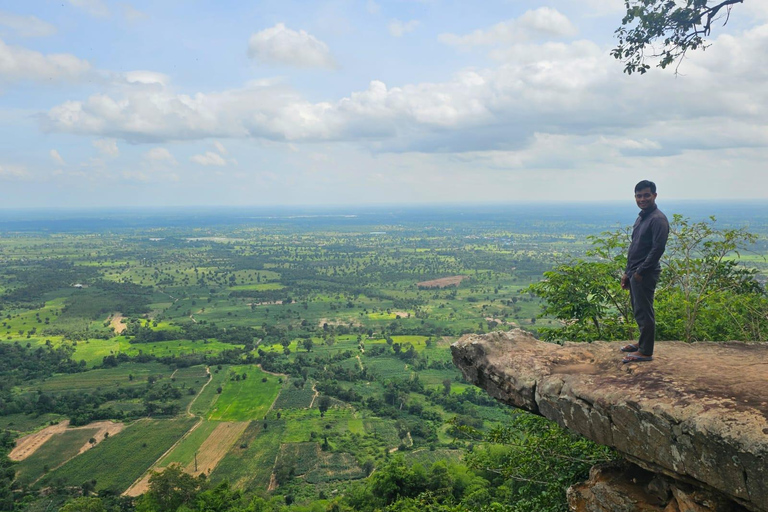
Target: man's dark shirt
point(649, 239)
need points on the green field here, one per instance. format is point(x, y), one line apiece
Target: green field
point(184, 452)
point(244, 400)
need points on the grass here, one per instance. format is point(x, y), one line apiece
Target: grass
point(55, 452)
point(136, 448)
point(257, 287)
point(26, 423)
point(93, 351)
point(243, 400)
point(104, 378)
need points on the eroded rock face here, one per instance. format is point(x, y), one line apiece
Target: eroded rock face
point(698, 413)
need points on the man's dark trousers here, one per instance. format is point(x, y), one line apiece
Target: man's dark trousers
point(641, 295)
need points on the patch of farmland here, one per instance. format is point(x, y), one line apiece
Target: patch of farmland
point(442, 282)
point(136, 448)
point(299, 457)
point(334, 466)
point(382, 430)
point(215, 447)
point(248, 464)
point(385, 367)
point(125, 375)
point(291, 397)
point(184, 452)
point(56, 451)
point(22, 423)
point(245, 399)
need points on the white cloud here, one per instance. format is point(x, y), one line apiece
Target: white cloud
point(160, 155)
point(281, 45)
point(132, 14)
point(542, 22)
point(209, 158)
point(107, 146)
point(397, 28)
point(551, 89)
point(372, 7)
point(220, 147)
point(95, 8)
point(146, 78)
point(17, 63)
point(26, 26)
point(13, 172)
point(57, 157)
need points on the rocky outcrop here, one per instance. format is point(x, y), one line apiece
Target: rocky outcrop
point(696, 416)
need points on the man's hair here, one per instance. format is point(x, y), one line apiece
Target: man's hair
point(646, 184)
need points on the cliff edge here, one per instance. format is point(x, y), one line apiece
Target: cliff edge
point(698, 413)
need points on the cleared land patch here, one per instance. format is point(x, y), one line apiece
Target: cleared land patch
point(116, 322)
point(28, 445)
point(442, 282)
point(216, 446)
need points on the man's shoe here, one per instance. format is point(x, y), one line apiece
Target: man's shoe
point(632, 347)
point(636, 358)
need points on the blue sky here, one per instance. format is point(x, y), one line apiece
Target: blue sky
point(109, 103)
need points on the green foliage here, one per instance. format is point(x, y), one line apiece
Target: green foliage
point(703, 294)
point(169, 490)
point(712, 296)
point(539, 459)
point(586, 295)
point(83, 504)
point(7, 472)
point(675, 27)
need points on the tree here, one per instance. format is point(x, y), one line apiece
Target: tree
point(308, 344)
point(323, 404)
point(7, 473)
point(540, 458)
point(703, 293)
point(678, 26)
point(586, 295)
point(169, 490)
point(699, 274)
point(83, 504)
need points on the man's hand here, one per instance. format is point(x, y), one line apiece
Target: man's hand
point(638, 277)
point(624, 282)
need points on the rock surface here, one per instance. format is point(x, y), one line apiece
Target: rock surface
point(698, 413)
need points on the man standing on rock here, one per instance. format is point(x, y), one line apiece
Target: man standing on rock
point(649, 239)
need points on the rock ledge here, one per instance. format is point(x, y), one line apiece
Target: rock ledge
point(698, 413)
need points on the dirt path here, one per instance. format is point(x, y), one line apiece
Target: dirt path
point(216, 446)
point(28, 445)
point(116, 322)
point(314, 397)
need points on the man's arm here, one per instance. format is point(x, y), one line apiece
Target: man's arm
point(660, 231)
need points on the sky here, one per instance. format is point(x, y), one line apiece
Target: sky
point(367, 102)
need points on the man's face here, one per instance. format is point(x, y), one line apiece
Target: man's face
point(645, 198)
